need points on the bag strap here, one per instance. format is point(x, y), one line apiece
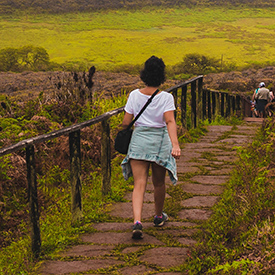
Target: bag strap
point(143, 109)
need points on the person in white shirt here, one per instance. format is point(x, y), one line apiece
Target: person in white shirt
point(154, 142)
point(271, 95)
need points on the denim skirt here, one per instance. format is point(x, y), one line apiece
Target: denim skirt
point(153, 145)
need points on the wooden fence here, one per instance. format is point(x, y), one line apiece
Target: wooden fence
point(205, 104)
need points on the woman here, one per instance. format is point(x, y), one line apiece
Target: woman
point(154, 142)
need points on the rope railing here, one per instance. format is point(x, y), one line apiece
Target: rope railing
point(204, 103)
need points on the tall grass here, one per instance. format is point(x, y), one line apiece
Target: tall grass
point(108, 39)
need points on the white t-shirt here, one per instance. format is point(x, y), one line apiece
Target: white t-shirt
point(153, 116)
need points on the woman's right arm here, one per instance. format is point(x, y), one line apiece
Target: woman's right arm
point(172, 131)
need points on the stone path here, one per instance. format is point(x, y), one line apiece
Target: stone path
point(203, 169)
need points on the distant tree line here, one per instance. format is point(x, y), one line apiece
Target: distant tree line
point(63, 6)
point(31, 58)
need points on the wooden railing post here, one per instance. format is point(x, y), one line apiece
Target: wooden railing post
point(213, 104)
point(238, 102)
point(183, 105)
point(106, 157)
point(193, 105)
point(76, 184)
point(228, 108)
point(218, 104)
point(33, 202)
point(175, 95)
point(204, 101)
point(246, 107)
point(209, 105)
point(233, 104)
point(222, 104)
point(200, 100)
point(238, 105)
point(230, 105)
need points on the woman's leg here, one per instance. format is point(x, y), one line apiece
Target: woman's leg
point(158, 176)
point(140, 170)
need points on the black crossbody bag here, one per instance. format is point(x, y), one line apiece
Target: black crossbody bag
point(123, 137)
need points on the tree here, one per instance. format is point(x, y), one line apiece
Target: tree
point(25, 58)
point(9, 59)
point(200, 64)
point(33, 58)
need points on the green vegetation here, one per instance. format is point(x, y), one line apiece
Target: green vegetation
point(56, 229)
point(239, 237)
point(107, 39)
point(31, 119)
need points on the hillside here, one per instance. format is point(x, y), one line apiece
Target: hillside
point(57, 6)
point(30, 84)
point(241, 81)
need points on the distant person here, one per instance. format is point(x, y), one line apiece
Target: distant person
point(262, 97)
point(252, 106)
point(270, 107)
point(254, 102)
point(272, 96)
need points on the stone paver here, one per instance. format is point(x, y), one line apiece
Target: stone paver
point(134, 270)
point(210, 179)
point(204, 169)
point(148, 197)
point(187, 169)
point(89, 250)
point(195, 214)
point(179, 232)
point(202, 189)
point(118, 238)
point(165, 256)
point(200, 201)
point(125, 210)
point(66, 267)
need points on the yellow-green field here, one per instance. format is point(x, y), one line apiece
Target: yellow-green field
point(112, 38)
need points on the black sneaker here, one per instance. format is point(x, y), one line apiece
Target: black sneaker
point(137, 231)
point(160, 221)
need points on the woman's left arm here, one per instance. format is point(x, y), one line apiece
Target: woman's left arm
point(172, 131)
point(127, 120)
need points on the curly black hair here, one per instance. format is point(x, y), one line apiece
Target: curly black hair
point(153, 73)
